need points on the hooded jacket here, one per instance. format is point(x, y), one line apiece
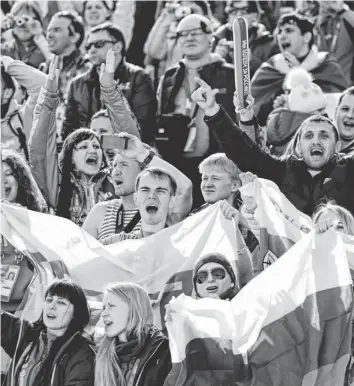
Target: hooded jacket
point(73, 364)
point(335, 180)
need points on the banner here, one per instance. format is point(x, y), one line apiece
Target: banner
point(291, 325)
point(162, 263)
point(280, 224)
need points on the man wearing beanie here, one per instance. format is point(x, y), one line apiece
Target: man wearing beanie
point(214, 277)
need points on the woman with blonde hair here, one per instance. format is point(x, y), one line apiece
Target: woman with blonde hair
point(133, 351)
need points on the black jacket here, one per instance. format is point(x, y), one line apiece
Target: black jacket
point(73, 365)
point(218, 74)
point(335, 181)
point(155, 361)
point(84, 98)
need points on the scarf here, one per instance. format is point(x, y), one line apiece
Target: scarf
point(126, 351)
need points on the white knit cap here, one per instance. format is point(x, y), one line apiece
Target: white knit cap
point(307, 98)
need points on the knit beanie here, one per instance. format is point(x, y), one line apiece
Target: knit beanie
point(214, 258)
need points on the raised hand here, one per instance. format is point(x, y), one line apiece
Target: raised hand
point(35, 27)
point(248, 201)
point(108, 69)
point(135, 148)
point(53, 75)
point(291, 60)
point(205, 97)
point(246, 113)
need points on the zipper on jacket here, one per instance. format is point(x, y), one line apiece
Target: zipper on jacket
point(144, 365)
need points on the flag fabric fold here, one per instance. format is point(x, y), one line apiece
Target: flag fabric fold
point(291, 325)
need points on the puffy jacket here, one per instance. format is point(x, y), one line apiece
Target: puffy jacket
point(84, 99)
point(335, 181)
point(73, 365)
point(218, 74)
point(155, 361)
point(45, 168)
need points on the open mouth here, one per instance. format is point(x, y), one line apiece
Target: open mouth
point(51, 316)
point(212, 289)
point(348, 124)
point(317, 152)
point(7, 191)
point(285, 46)
point(118, 182)
point(152, 208)
point(92, 160)
point(107, 323)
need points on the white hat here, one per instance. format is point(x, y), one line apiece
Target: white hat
point(307, 98)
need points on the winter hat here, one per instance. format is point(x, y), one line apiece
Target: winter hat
point(214, 258)
point(305, 96)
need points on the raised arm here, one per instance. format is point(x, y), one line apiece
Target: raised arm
point(141, 153)
point(119, 112)
point(235, 143)
point(32, 80)
point(42, 143)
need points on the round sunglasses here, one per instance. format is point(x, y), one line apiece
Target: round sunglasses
point(216, 273)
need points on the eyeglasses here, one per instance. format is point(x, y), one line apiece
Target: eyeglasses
point(193, 32)
point(216, 273)
point(98, 44)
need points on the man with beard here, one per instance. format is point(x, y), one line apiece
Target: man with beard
point(155, 196)
point(296, 43)
point(16, 121)
point(109, 218)
point(319, 174)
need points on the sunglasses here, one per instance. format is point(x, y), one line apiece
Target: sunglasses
point(98, 44)
point(216, 273)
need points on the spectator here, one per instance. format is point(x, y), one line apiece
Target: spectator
point(220, 182)
point(19, 189)
point(131, 342)
point(84, 98)
point(79, 179)
point(214, 277)
point(65, 35)
point(51, 350)
point(176, 87)
point(321, 173)
point(260, 41)
point(96, 12)
point(16, 121)
point(295, 39)
point(107, 219)
point(330, 215)
point(345, 120)
point(161, 48)
point(335, 34)
point(155, 196)
point(310, 9)
point(28, 44)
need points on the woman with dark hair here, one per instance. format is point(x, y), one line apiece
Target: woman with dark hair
point(79, 180)
point(133, 352)
point(52, 350)
point(96, 12)
point(19, 188)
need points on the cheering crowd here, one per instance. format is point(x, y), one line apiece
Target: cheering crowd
point(123, 117)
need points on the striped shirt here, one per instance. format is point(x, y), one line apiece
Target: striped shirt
point(108, 227)
point(122, 236)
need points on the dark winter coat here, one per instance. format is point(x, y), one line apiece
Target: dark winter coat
point(73, 365)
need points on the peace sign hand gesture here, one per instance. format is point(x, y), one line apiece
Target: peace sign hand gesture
point(205, 97)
